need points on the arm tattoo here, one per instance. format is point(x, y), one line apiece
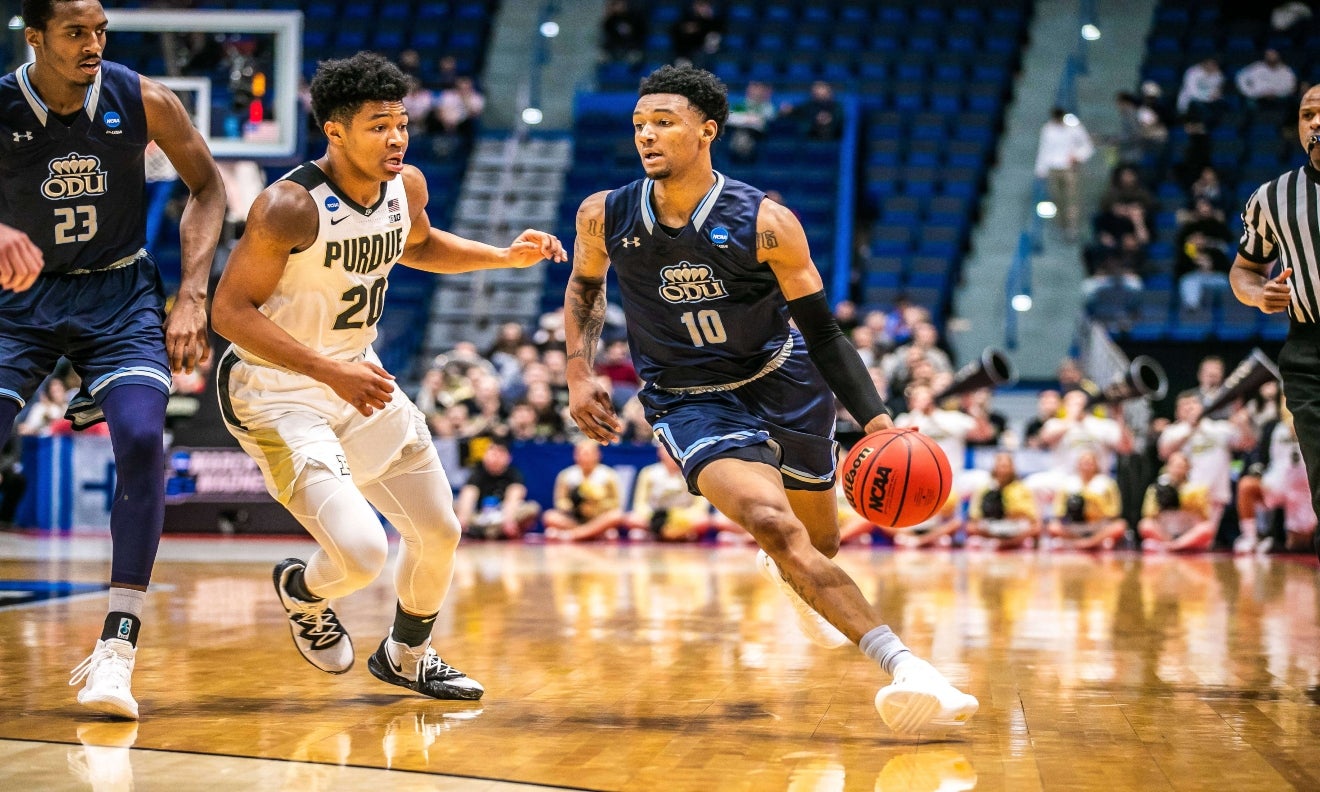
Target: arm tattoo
point(766, 240)
point(596, 228)
point(585, 304)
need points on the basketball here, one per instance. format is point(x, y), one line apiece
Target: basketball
point(897, 477)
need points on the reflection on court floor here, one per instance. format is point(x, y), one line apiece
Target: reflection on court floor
point(646, 667)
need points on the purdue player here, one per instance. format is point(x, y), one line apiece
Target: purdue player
point(75, 280)
point(710, 273)
point(304, 393)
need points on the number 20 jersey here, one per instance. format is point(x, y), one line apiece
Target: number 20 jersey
point(702, 310)
point(76, 188)
point(331, 295)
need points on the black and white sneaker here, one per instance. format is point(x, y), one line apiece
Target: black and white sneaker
point(434, 678)
point(316, 630)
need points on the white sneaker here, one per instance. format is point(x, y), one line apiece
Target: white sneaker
point(921, 701)
point(1245, 544)
point(108, 672)
point(813, 625)
point(316, 630)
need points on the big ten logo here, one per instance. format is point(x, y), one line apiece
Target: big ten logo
point(686, 282)
point(74, 176)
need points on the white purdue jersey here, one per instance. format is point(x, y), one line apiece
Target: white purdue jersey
point(332, 294)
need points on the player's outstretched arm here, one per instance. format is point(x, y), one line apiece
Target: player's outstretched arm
point(433, 250)
point(284, 219)
point(584, 319)
point(186, 339)
point(782, 244)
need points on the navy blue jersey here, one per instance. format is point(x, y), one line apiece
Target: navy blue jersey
point(702, 310)
point(75, 186)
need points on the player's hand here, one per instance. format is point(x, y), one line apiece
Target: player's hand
point(363, 384)
point(186, 341)
point(20, 260)
point(1276, 295)
point(534, 246)
point(592, 411)
point(881, 421)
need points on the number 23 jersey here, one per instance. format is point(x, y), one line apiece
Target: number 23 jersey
point(702, 310)
point(75, 184)
point(332, 294)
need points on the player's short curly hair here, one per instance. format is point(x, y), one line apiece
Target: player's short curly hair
point(37, 13)
point(703, 90)
point(340, 87)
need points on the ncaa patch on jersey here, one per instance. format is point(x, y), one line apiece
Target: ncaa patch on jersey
point(112, 119)
point(720, 236)
point(332, 203)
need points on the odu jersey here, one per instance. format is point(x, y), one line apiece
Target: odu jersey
point(331, 295)
point(75, 185)
point(702, 311)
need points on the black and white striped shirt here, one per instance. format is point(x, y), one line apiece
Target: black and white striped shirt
point(1282, 222)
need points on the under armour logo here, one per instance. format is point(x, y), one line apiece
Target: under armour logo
point(634, 242)
point(21, 136)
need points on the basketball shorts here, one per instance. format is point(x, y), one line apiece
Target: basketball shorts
point(109, 324)
point(785, 418)
point(289, 422)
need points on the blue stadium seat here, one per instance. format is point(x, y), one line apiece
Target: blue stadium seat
point(891, 240)
point(900, 210)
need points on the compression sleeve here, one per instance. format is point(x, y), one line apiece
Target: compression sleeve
point(836, 358)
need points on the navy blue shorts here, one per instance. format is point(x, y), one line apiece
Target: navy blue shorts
point(785, 417)
point(108, 324)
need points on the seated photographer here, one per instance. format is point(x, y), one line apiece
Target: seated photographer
point(493, 503)
point(663, 508)
point(1003, 513)
point(1086, 509)
point(587, 498)
point(1175, 514)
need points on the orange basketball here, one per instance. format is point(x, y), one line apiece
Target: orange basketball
point(896, 477)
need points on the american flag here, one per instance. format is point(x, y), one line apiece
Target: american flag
point(393, 205)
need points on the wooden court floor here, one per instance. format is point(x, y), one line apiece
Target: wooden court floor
point(646, 667)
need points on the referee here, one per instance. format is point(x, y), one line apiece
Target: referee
point(1282, 224)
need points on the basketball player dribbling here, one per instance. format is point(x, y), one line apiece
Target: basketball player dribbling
point(710, 273)
point(304, 393)
point(77, 281)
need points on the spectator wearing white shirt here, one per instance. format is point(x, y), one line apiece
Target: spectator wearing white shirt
point(1269, 86)
point(1064, 146)
point(1071, 435)
point(1202, 94)
point(949, 430)
point(1208, 444)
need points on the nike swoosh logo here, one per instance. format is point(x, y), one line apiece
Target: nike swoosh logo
point(338, 220)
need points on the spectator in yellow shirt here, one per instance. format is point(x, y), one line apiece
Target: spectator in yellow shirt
point(1176, 514)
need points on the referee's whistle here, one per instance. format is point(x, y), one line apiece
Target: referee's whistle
point(1312, 142)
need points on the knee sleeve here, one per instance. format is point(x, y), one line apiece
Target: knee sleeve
point(353, 544)
point(419, 504)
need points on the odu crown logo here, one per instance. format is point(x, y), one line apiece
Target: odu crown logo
point(74, 176)
point(686, 282)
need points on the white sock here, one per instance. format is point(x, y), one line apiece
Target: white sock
point(1248, 527)
point(881, 645)
point(127, 600)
